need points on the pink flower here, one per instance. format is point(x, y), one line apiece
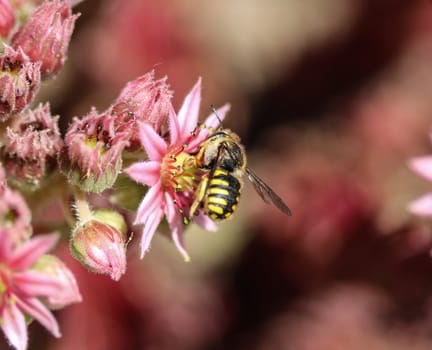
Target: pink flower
point(31, 147)
point(19, 81)
point(142, 100)
point(21, 287)
point(423, 167)
point(46, 35)
point(94, 150)
point(171, 173)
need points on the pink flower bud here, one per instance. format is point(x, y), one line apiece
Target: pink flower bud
point(143, 100)
point(94, 150)
point(19, 81)
point(100, 246)
point(7, 18)
point(46, 35)
point(31, 146)
point(58, 271)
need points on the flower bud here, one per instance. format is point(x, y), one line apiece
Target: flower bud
point(7, 18)
point(19, 81)
point(99, 246)
point(31, 146)
point(46, 35)
point(54, 267)
point(94, 152)
point(142, 100)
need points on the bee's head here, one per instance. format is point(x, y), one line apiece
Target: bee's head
point(225, 135)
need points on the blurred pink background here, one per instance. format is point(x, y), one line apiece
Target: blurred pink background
point(331, 99)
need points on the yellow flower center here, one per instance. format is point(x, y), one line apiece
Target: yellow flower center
point(179, 172)
point(92, 142)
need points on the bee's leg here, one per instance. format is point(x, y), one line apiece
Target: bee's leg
point(199, 197)
point(202, 189)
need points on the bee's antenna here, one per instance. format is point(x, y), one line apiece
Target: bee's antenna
point(217, 116)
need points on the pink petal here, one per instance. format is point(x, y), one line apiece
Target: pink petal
point(39, 312)
point(27, 254)
point(66, 297)
point(33, 283)
point(211, 123)
point(175, 132)
point(153, 144)
point(152, 200)
point(189, 111)
point(5, 245)
point(422, 166)
point(149, 230)
point(14, 326)
point(59, 272)
point(421, 206)
point(175, 222)
point(205, 222)
point(147, 173)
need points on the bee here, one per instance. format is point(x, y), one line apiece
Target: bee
point(223, 158)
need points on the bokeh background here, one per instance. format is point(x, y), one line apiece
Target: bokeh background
point(331, 99)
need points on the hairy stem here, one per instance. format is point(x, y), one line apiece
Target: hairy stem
point(82, 206)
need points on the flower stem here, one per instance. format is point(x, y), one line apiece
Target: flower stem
point(66, 208)
point(82, 206)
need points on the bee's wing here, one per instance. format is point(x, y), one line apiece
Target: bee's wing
point(266, 193)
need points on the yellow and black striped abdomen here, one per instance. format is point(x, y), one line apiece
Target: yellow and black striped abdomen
point(223, 195)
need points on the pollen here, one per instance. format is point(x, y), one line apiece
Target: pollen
point(91, 142)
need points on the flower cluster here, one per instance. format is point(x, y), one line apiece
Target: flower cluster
point(37, 50)
point(32, 282)
point(139, 140)
point(95, 143)
point(135, 165)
